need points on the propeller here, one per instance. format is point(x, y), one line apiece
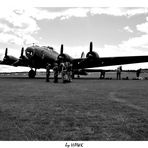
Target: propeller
point(60, 57)
point(21, 58)
point(22, 52)
point(91, 58)
point(90, 53)
point(91, 46)
point(8, 60)
point(82, 55)
point(62, 47)
point(6, 52)
point(6, 55)
point(63, 56)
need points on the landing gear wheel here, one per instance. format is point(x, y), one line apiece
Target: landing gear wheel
point(31, 74)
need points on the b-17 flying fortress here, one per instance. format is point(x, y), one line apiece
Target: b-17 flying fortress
point(37, 57)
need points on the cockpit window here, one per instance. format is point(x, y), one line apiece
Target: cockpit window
point(30, 53)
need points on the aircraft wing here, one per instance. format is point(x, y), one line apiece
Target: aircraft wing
point(98, 70)
point(107, 61)
point(13, 61)
point(21, 62)
point(93, 60)
point(8, 60)
point(108, 70)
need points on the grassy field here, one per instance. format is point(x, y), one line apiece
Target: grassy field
point(86, 109)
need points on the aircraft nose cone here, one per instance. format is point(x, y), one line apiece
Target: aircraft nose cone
point(30, 52)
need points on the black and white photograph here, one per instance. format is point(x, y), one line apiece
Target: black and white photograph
point(73, 74)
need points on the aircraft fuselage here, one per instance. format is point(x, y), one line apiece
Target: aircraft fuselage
point(40, 56)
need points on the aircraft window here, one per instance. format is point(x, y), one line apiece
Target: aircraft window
point(50, 47)
point(30, 53)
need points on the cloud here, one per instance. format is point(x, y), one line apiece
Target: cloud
point(143, 27)
point(136, 11)
point(140, 43)
point(16, 27)
point(128, 29)
point(132, 46)
point(5, 28)
point(77, 12)
point(118, 11)
point(5, 37)
point(40, 14)
point(83, 12)
point(136, 42)
point(107, 11)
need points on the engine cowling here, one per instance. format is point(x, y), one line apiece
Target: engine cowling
point(92, 55)
point(8, 60)
point(91, 60)
point(22, 59)
point(64, 57)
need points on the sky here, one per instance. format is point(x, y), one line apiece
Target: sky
point(114, 31)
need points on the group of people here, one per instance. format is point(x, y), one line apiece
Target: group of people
point(65, 68)
point(118, 72)
point(66, 71)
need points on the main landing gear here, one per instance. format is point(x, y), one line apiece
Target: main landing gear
point(32, 73)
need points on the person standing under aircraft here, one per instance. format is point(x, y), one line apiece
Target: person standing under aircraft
point(69, 71)
point(56, 71)
point(63, 71)
point(48, 72)
point(102, 74)
point(119, 69)
point(138, 73)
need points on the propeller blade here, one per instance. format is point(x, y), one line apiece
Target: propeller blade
point(91, 46)
point(6, 52)
point(82, 55)
point(61, 49)
point(22, 51)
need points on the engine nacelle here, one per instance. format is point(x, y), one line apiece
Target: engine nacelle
point(9, 60)
point(64, 58)
point(92, 55)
